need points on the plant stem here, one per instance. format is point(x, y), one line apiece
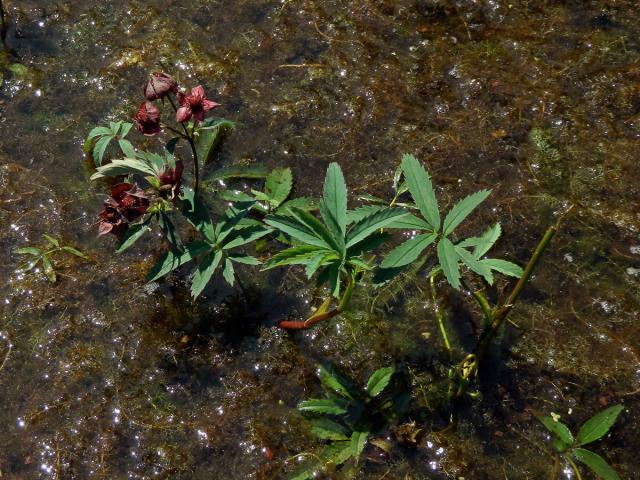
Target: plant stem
point(501, 313)
point(321, 314)
point(3, 24)
point(574, 467)
point(189, 136)
point(436, 308)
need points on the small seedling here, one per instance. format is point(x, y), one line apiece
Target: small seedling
point(44, 255)
point(348, 417)
point(564, 443)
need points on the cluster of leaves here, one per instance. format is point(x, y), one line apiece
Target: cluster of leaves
point(564, 443)
point(347, 417)
point(99, 139)
point(43, 255)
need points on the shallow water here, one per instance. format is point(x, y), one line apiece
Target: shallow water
point(104, 377)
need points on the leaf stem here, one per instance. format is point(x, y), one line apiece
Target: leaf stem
point(321, 314)
point(501, 313)
point(438, 312)
point(189, 137)
point(573, 466)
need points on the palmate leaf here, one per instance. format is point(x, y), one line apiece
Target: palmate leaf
point(299, 255)
point(369, 224)
point(278, 185)
point(379, 380)
point(335, 406)
point(327, 429)
point(559, 430)
point(127, 148)
point(99, 132)
point(172, 260)
point(462, 209)
point(99, 148)
point(448, 259)
point(421, 190)
point(124, 166)
point(317, 260)
point(333, 207)
point(408, 251)
point(204, 272)
point(291, 226)
point(503, 266)
point(242, 236)
point(319, 230)
point(370, 243)
point(598, 425)
point(474, 264)
point(133, 233)
point(596, 463)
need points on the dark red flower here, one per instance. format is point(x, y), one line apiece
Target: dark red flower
point(126, 203)
point(171, 179)
point(147, 119)
point(159, 86)
point(194, 105)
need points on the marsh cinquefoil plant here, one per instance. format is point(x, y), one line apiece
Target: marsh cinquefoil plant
point(44, 255)
point(334, 247)
point(347, 417)
point(570, 448)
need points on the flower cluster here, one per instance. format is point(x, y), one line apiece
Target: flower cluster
point(126, 203)
point(160, 85)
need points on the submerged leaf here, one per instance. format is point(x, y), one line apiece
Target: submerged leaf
point(379, 380)
point(324, 405)
point(327, 429)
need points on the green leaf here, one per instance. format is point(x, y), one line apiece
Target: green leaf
point(127, 148)
point(197, 214)
point(25, 267)
point(363, 211)
point(99, 149)
point(204, 272)
point(28, 251)
point(358, 441)
point(245, 259)
point(99, 132)
point(169, 230)
point(421, 190)
point(74, 251)
point(317, 260)
point(559, 430)
point(244, 236)
point(410, 222)
point(303, 203)
point(278, 185)
point(462, 209)
point(124, 130)
point(172, 260)
point(333, 381)
point(379, 380)
point(407, 252)
point(132, 234)
point(598, 425)
point(503, 266)
point(448, 259)
point(474, 264)
point(319, 230)
point(237, 172)
point(369, 244)
point(334, 279)
point(52, 241)
point(209, 135)
point(124, 166)
point(327, 429)
point(487, 240)
point(294, 256)
point(324, 405)
point(48, 269)
point(296, 229)
point(171, 145)
point(335, 200)
point(596, 463)
point(228, 272)
point(365, 227)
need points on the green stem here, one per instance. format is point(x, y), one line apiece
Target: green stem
point(574, 467)
point(501, 313)
point(436, 308)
